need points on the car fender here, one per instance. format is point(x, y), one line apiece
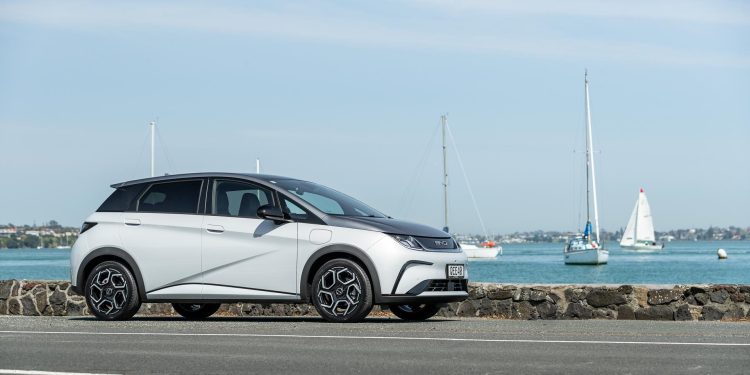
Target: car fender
point(345, 249)
point(110, 252)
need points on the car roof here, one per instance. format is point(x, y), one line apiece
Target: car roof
point(182, 176)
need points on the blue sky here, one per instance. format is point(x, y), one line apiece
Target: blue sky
point(348, 94)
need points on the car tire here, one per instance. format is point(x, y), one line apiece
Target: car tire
point(342, 291)
point(196, 310)
point(415, 311)
point(111, 291)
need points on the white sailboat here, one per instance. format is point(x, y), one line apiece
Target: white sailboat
point(582, 249)
point(639, 234)
point(487, 249)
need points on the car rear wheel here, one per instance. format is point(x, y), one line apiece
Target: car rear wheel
point(111, 291)
point(196, 310)
point(415, 312)
point(342, 291)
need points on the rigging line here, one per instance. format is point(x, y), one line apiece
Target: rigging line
point(466, 179)
point(163, 145)
point(407, 198)
point(141, 154)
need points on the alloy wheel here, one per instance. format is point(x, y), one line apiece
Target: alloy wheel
point(339, 291)
point(109, 291)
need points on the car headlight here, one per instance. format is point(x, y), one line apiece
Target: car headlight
point(408, 242)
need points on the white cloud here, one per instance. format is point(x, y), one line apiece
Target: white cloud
point(719, 11)
point(339, 26)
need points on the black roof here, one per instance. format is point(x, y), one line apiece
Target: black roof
point(244, 176)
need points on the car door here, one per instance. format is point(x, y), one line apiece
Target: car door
point(163, 235)
point(243, 255)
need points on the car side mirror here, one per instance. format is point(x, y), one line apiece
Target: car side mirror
point(271, 212)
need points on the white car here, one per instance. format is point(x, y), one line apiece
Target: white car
point(199, 240)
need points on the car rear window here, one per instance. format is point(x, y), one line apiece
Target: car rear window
point(121, 199)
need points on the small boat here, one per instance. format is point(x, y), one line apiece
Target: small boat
point(487, 249)
point(582, 249)
point(639, 234)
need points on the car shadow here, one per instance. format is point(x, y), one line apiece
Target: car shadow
point(269, 319)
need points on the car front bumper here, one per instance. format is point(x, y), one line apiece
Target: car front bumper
point(413, 276)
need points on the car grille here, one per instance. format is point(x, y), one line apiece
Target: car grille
point(439, 244)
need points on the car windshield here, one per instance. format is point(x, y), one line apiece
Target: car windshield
point(328, 200)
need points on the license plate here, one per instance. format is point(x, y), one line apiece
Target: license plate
point(455, 271)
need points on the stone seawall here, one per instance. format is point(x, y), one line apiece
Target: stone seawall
point(501, 301)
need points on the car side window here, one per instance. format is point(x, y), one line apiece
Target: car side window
point(180, 197)
point(294, 211)
point(121, 199)
point(239, 199)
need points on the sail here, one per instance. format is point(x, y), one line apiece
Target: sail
point(645, 225)
point(640, 226)
point(628, 237)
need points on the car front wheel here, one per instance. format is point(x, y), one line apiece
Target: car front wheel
point(341, 291)
point(415, 312)
point(196, 310)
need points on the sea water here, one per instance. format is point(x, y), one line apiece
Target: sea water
point(681, 262)
point(35, 264)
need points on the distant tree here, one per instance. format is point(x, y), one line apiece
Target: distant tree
point(13, 243)
point(31, 241)
point(709, 233)
point(53, 224)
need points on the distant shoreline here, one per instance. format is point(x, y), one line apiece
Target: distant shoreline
point(502, 243)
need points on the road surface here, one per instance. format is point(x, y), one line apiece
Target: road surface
point(379, 345)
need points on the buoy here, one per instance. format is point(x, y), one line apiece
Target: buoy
point(722, 254)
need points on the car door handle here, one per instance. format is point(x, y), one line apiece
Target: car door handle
point(214, 228)
point(133, 222)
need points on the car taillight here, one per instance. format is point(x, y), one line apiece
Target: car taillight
point(86, 226)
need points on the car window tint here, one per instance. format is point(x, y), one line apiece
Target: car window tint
point(231, 198)
point(294, 211)
point(121, 199)
point(171, 197)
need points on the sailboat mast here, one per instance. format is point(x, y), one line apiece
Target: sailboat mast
point(590, 151)
point(586, 161)
point(153, 129)
point(443, 123)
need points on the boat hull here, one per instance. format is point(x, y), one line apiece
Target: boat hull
point(642, 247)
point(481, 253)
point(588, 256)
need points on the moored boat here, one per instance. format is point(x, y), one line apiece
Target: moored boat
point(482, 251)
point(488, 248)
point(583, 249)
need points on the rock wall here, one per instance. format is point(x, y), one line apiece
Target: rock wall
point(680, 302)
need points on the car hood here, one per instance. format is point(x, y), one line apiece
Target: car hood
point(386, 225)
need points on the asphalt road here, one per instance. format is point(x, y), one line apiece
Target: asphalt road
point(380, 345)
